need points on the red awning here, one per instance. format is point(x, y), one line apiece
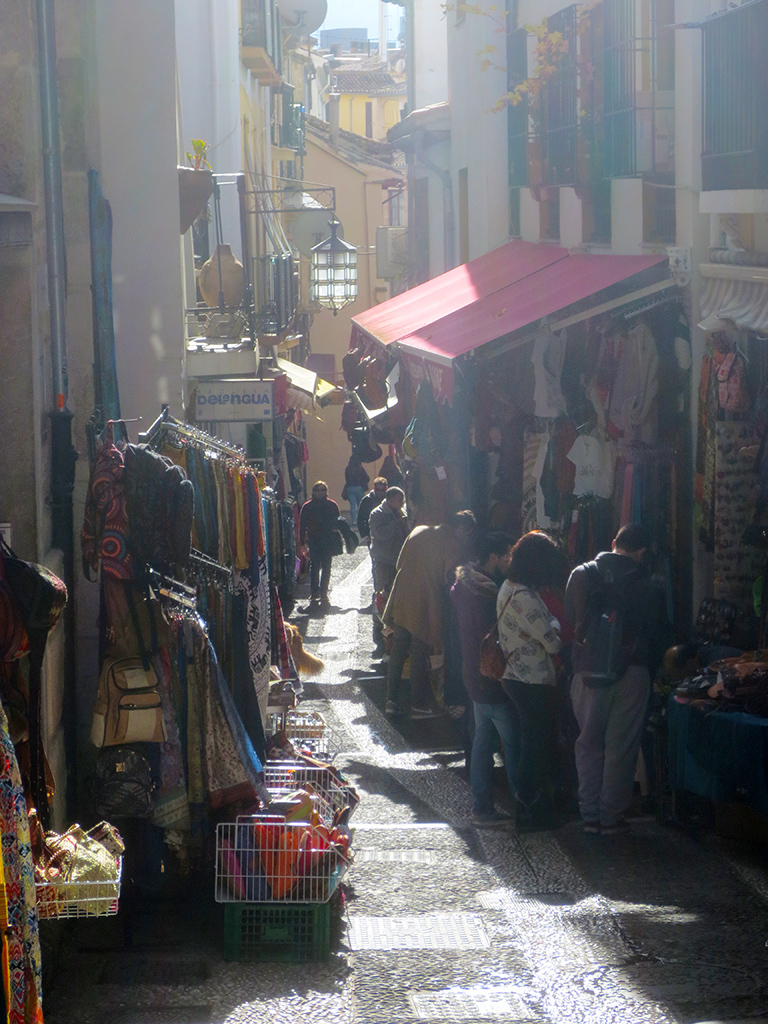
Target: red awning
point(505, 290)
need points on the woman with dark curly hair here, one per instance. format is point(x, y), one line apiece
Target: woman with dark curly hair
point(530, 638)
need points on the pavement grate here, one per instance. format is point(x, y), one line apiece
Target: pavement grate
point(197, 1014)
point(157, 971)
point(468, 1004)
point(525, 903)
point(430, 931)
point(397, 856)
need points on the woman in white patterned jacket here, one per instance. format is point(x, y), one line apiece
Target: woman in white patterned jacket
point(530, 638)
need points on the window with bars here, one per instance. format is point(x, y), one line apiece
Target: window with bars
point(638, 77)
point(735, 84)
point(517, 115)
point(589, 143)
point(560, 104)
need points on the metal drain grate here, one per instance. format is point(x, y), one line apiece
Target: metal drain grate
point(431, 931)
point(530, 903)
point(198, 1014)
point(396, 856)
point(467, 1004)
point(157, 971)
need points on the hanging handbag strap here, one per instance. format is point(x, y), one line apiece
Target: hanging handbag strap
point(498, 617)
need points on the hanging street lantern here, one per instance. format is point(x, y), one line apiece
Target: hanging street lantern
point(333, 276)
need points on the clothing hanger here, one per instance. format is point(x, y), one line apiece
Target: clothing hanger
point(201, 568)
point(172, 590)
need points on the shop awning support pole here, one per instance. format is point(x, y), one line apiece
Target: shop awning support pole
point(63, 454)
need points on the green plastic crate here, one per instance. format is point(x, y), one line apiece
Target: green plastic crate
point(293, 932)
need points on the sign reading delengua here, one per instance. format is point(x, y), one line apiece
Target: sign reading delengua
point(235, 399)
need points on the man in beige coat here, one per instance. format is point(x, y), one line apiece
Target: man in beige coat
point(416, 606)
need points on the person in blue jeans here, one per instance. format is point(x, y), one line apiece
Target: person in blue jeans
point(474, 594)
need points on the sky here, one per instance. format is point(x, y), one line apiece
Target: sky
point(361, 13)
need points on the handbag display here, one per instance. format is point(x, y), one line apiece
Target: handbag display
point(493, 660)
point(128, 707)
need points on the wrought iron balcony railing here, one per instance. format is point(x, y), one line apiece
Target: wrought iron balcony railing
point(638, 87)
point(735, 84)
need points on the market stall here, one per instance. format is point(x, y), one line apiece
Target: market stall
point(190, 549)
point(543, 390)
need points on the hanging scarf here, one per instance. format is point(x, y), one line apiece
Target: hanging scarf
point(256, 630)
point(23, 937)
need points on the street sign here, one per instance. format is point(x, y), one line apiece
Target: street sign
point(241, 400)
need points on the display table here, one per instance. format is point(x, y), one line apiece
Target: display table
point(719, 755)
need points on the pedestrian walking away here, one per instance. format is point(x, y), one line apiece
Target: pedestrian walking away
point(388, 528)
point(356, 482)
point(318, 525)
point(372, 500)
point(610, 693)
point(415, 607)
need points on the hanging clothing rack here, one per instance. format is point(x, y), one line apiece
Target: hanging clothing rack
point(166, 424)
point(648, 305)
point(172, 590)
point(202, 566)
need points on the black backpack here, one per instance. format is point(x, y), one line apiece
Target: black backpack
point(603, 651)
point(122, 784)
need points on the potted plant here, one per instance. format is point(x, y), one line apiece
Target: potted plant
point(195, 185)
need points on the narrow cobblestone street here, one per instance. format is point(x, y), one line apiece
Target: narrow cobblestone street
point(442, 921)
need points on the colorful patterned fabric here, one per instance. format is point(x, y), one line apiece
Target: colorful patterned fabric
point(241, 562)
point(736, 565)
point(23, 940)
point(104, 535)
point(230, 765)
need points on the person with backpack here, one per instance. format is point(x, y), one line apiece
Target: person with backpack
point(621, 632)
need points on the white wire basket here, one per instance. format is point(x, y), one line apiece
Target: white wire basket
point(331, 795)
point(307, 730)
point(79, 898)
point(264, 859)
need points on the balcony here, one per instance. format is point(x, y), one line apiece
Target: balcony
point(735, 84)
point(292, 128)
point(555, 130)
point(260, 40)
